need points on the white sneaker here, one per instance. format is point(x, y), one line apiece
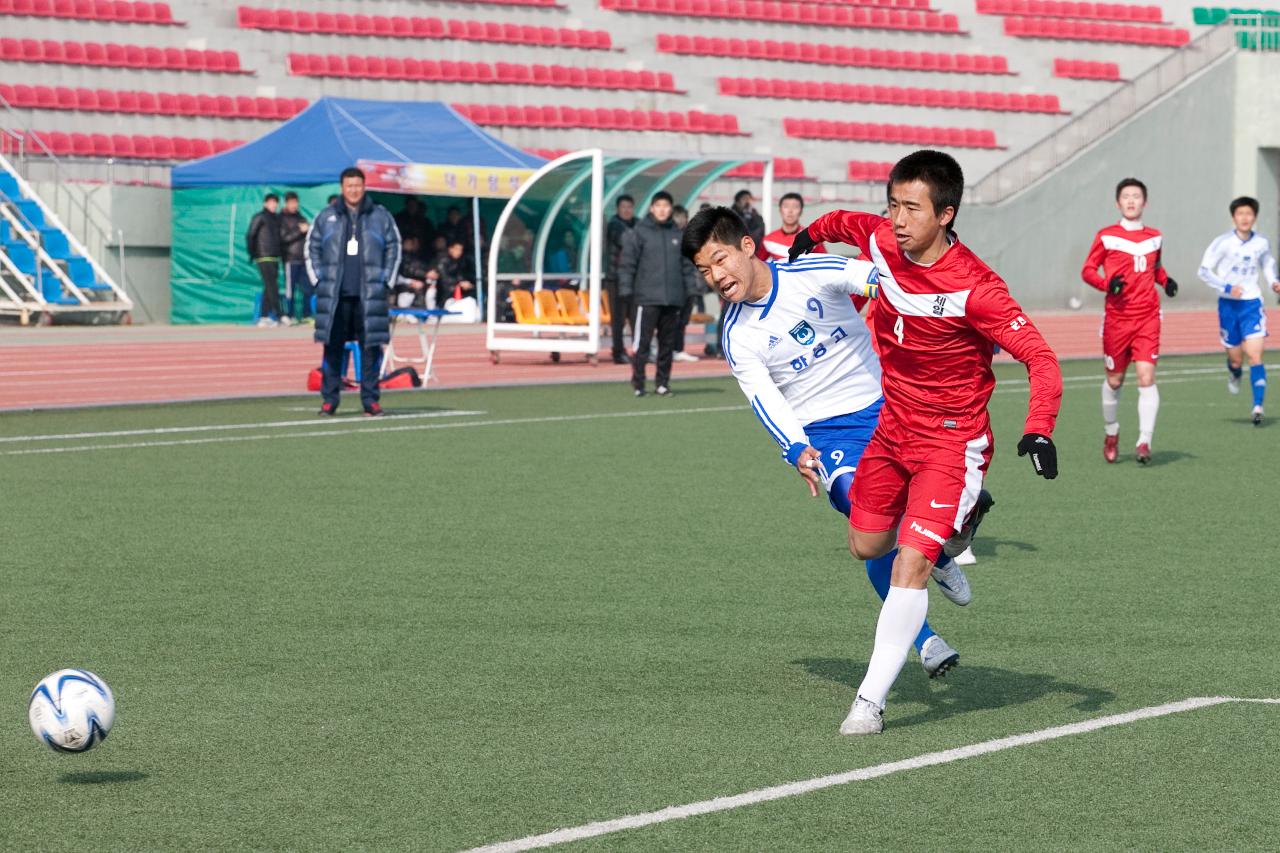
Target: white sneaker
point(865, 718)
point(684, 356)
point(1233, 383)
point(953, 583)
point(937, 657)
point(266, 323)
point(286, 321)
point(966, 558)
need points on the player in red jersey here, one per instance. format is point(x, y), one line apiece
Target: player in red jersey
point(777, 243)
point(939, 314)
point(1128, 254)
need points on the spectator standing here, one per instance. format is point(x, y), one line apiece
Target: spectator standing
point(624, 219)
point(658, 280)
point(293, 236)
point(742, 205)
point(412, 222)
point(353, 252)
point(455, 227)
point(263, 242)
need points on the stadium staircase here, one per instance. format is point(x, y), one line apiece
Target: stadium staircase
point(44, 268)
point(840, 88)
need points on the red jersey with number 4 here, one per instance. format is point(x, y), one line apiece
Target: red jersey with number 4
point(934, 327)
point(1133, 253)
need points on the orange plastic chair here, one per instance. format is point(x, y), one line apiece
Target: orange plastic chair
point(522, 304)
point(570, 307)
point(549, 307)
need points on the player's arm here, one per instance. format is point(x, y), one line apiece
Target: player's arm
point(775, 414)
point(994, 313)
point(1268, 263)
point(859, 279)
point(628, 260)
point(1092, 265)
point(838, 226)
point(1209, 268)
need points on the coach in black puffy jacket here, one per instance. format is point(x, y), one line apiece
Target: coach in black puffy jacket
point(657, 280)
point(353, 251)
point(262, 241)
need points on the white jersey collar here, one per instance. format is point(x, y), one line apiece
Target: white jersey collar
point(1131, 226)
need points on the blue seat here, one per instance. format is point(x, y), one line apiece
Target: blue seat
point(81, 273)
point(55, 243)
point(9, 186)
point(22, 256)
point(31, 212)
point(52, 292)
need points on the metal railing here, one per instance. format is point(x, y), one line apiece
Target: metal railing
point(1024, 169)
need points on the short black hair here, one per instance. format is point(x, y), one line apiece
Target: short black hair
point(938, 171)
point(332, 199)
point(270, 197)
point(458, 241)
point(737, 197)
point(351, 172)
point(715, 223)
point(291, 196)
point(679, 208)
point(1245, 201)
point(621, 199)
point(661, 195)
point(792, 197)
point(1131, 182)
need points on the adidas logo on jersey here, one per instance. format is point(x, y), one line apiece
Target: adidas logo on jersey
point(773, 341)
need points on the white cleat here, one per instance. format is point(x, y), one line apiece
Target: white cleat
point(1233, 383)
point(966, 558)
point(953, 583)
point(937, 657)
point(865, 718)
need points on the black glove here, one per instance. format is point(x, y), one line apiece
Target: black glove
point(803, 244)
point(1170, 287)
point(1044, 456)
point(1115, 285)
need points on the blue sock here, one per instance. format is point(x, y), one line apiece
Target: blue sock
point(1258, 379)
point(1237, 372)
point(879, 571)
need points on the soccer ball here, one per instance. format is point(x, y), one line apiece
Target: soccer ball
point(71, 710)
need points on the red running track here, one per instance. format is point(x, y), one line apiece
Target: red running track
point(53, 367)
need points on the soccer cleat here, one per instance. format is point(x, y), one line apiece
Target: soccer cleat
point(865, 718)
point(1257, 416)
point(639, 392)
point(373, 410)
point(685, 357)
point(1111, 448)
point(960, 543)
point(966, 558)
point(619, 358)
point(937, 657)
point(1143, 453)
point(954, 584)
point(328, 410)
point(662, 391)
point(1233, 383)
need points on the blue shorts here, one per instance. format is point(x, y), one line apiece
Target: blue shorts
point(841, 441)
point(1240, 319)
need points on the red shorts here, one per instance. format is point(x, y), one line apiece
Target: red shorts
point(924, 487)
point(1125, 340)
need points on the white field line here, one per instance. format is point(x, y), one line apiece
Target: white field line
point(373, 429)
point(448, 413)
point(793, 789)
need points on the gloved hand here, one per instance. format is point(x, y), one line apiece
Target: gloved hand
point(1115, 285)
point(1044, 456)
point(801, 245)
point(1170, 287)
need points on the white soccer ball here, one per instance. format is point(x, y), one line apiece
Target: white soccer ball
point(1075, 303)
point(71, 710)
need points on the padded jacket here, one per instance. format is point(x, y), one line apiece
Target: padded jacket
point(380, 247)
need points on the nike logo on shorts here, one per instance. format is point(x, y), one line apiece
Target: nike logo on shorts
point(937, 505)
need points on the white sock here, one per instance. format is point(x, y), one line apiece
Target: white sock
point(1110, 402)
point(1148, 406)
point(901, 618)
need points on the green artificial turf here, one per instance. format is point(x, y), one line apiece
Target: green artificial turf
point(431, 633)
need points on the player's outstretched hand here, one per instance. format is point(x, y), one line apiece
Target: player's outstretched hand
point(1044, 456)
point(1115, 285)
point(1170, 287)
point(803, 244)
point(807, 465)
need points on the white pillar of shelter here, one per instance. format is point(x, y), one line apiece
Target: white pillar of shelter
point(766, 195)
point(475, 242)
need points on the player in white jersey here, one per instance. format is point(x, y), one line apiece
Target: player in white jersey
point(804, 359)
point(1231, 266)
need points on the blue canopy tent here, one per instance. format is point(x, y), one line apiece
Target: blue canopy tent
point(415, 147)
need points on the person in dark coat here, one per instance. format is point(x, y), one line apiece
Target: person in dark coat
point(413, 222)
point(263, 242)
point(455, 273)
point(293, 236)
point(743, 206)
point(658, 280)
point(353, 252)
point(624, 219)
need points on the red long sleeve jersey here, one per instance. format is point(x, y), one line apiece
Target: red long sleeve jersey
point(1134, 255)
point(934, 327)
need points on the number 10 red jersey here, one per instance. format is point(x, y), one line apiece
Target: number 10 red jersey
point(1133, 253)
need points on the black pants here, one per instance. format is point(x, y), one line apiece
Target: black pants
point(348, 325)
point(270, 272)
point(297, 285)
point(619, 317)
point(686, 314)
point(665, 320)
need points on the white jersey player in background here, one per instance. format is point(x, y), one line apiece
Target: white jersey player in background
point(805, 361)
point(1231, 266)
